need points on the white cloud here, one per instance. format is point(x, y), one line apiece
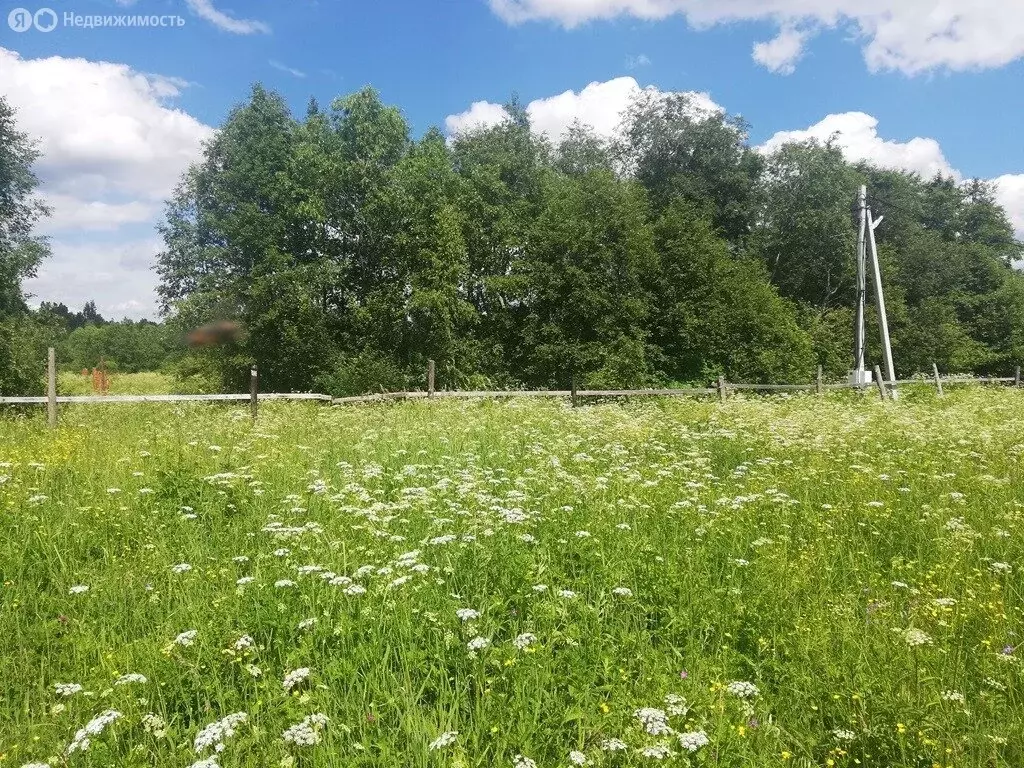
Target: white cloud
point(599, 105)
point(635, 62)
point(1010, 195)
point(113, 149)
point(782, 52)
point(69, 212)
point(117, 275)
point(857, 134)
point(204, 9)
point(907, 35)
point(285, 68)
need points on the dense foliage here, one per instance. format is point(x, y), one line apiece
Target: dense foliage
point(773, 582)
point(353, 253)
point(20, 255)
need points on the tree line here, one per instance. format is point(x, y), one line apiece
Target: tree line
point(351, 253)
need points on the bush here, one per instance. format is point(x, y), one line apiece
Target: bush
point(368, 372)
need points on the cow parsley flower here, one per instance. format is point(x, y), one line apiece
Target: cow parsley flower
point(622, 592)
point(915, 637)
point(446, 739)
point(308, 733)
point(844, 734)
point(130, 678)
point(693, 740)
point(577, 758)
point(295, 677)
point(524, 641)
point(657, 752)
point(96, 726)
point(354, 590)
point(67, 689)
point(216, 733)
point(613, 745)
point(654, 721)
point(154, 724)
point(953, 696)
point(78, 589)
point(478, 643)
point(181, 568)
point(523, 762)
point(186, 638)
point(243, 644)
point(284, 583)
point(245, 580)
point(676, 705)
point(306, 624)
point(742, 689)
point(467, 614)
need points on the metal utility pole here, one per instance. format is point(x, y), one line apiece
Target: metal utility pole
point(860, 375)
point(883, 323)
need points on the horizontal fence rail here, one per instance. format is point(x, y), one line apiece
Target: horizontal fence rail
point(886, 390)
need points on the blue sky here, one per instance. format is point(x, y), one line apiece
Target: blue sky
point(120, 112)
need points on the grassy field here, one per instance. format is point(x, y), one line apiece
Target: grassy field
point(791, 581)
point(145, 383)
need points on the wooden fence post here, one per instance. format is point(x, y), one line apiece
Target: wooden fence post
point(572, 389)
point(818, 387)
point(721, 388)
point(430, 378)
point(938, 381)
point(881, 381)
point(51, 388)
point(254, 388)
point(1016, 377)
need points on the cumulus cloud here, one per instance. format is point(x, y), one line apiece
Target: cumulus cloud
point(781, 54)
point(116, 274)
point(911, 36)
point(857, 134)
point(1010, 195)
point(204, 9)
point(113, 147)
point(599, 105)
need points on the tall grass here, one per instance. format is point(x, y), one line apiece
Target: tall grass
point(796, 581)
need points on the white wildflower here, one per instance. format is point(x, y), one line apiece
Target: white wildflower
point(523, 762)
point(693, 740)
point(131, 677)
point(622, 592)
point(657, 752)
point(308, 732)
point(842, 734)
point(478, 643)
point(295, 677)
point(578, 758)
point(216, 733)
point(915, 637)
point(467, 614)
point(78, 589)
point(186, 638)
point(67, 689)
point(80, 743)
point(446, 739)
point(284, 583)
point(181, 568)
point(953, 696)
point(613, 745)
point(525, 640)
point(354, 590)
point(654, 721)
point(742, 689)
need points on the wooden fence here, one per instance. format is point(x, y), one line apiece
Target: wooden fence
point(722, 388)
